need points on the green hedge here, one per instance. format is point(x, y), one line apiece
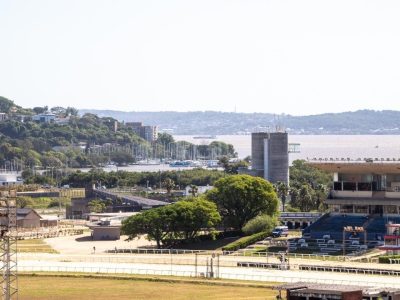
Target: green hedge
point(246, 241)
point(385, 259)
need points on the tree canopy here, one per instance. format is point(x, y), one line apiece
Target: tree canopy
point(261, 223)
point(179, 221)
point(308, 186)
point(240, 198)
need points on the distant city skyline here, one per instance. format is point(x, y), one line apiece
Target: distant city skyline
point(294, 57)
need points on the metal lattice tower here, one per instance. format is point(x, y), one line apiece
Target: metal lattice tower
point(8, 245)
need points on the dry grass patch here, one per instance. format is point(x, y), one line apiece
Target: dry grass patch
point(34, 245)
point(44, 287)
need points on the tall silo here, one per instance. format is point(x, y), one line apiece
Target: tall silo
point(270, 156)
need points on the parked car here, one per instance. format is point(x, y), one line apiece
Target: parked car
point(280, 231)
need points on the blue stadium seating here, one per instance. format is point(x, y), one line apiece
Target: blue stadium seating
point(333, 225)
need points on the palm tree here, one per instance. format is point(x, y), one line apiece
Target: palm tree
point(193, 190)
point(306, 199)
point(282, 190)
point(169, 184)
point(294, 196)
point(321, 192)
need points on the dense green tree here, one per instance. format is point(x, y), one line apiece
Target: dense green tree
point(5, 104)
point(303, 173)
point(182, 220)
point(23, 202)
point(193, 190)
point(51, 161)
point(240, 198)
point(154, 223)
point(321, 193)
point(305, 199)
point(121, 157)
point(261, 223)
point(165, 139)
point(308, 186)
point(97, 206)
point(232, 167)
point(58, 110)
point(40, 110)
point(71, 111)
point(169, 185)
point(198, 177)
point(195, 215)
point(294, 194)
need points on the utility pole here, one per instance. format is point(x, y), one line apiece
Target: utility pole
point(8, 245)
point(160, 180)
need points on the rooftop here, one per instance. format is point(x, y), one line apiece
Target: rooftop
point(335, 288)
point(351, 166)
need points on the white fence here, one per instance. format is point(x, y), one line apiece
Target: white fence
point(250, 253)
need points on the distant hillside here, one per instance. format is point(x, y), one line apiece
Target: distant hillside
point(66, 139)
point(211, 122)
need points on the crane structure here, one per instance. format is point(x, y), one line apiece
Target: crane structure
point(8, 245)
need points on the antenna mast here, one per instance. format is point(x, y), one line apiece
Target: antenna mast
point(8, 244)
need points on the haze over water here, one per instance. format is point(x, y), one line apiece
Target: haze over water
point(320, 146)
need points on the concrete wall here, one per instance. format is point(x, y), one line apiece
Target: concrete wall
point(270, 157)
point(278, 157)
point(78, 208)
point(392, 195)
point(355, 194)
point(257, 150)
point(106, 233)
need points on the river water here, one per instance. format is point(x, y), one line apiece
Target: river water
point(311, 146)
point(320, 146)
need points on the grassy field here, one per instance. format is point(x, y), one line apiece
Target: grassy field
point(34, 245)
point(45, 287)
point(45, 202)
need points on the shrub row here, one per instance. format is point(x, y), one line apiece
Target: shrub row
point(386, 258)
point(246, 241)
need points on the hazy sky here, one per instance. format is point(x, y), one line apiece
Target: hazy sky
point(282, 56)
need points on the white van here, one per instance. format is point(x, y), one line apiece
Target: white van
point(280, 231)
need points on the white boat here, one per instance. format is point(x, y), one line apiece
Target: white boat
point(205, 137)
point(148, 162)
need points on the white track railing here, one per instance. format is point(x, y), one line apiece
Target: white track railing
point(223, 275)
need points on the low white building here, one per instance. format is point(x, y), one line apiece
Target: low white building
point(10, 179)
point(106, 230)
point(44, 118)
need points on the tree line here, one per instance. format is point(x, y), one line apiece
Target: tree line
point(307, 190)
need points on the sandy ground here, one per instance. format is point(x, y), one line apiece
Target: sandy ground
point(83, 244)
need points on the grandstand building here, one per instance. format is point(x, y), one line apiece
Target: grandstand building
point(364, 194)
